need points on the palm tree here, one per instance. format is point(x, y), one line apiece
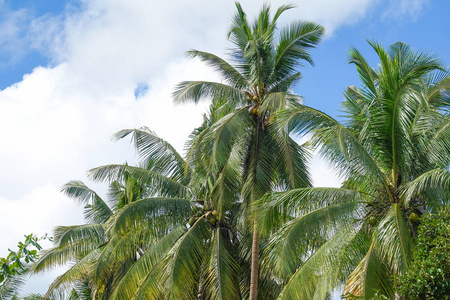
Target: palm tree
point(255, 86)
point(393, 151)
point(165, 235)
point(202, 254)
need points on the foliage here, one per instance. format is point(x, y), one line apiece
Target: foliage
point(14, 266)
point(27, 252)
point(428, 276)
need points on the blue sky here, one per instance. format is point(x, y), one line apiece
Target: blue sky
point(426, 29)
point(74, 72)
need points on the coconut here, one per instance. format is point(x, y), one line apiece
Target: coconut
point(413, 217)
point(191, 221)
point(214, 213)
point(250, 109)
point(373, 221)
point(199, 214)
point(212, 220)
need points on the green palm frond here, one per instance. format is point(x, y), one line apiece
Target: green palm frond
point(194, 91)
point(177, 273)
point(10, 287)
point(370, 275)
point(304, 283)
point(158, 213)
point(293, 45)
point(96, 210)
point(297, 237)
point(130, 283)
point(78, 271)
point(71, 244)
point(336, 143)
point(156, 153)
point(393, 240)
point(79, 192)
point(291, 159)
point(227, 71)
point(222, 270)
point(433, 179)
point(221, 136)
point(160, 184)
point(296, 202)
point(227, 186)
point(89, 233)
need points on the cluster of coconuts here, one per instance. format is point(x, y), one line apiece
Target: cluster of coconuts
point(254, 110)
point(207, 210)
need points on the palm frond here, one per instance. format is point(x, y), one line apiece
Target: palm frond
point(304, 283)
point(155, 153)
point(10, 287)
point(293, 46)
point(393, 240)
point(130, 283)
point(78, 271)
point(177, 273)
point(222, 270)
point(194, 91)
point(96, 210)
point(160, 184)
point(370, 275)
point(160, 214)
point(227, 71)
point(71, 244)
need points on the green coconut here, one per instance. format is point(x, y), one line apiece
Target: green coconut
point(414, 217)
point(199, 214)
point(191, 221)
point(373, 221)
point(212, 220)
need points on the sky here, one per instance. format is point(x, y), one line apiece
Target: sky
point(74, 72)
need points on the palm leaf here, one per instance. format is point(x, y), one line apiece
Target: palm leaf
point(371, 275)
point(156, 154)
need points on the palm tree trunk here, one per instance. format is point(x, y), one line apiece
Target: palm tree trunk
point(255, 263)
point(255, 242)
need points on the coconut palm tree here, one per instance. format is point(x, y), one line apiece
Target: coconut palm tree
point(255, 86)
point(203, 254)
point(393, 152)
point(167, 234)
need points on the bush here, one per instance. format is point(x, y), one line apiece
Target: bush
point(428, 276)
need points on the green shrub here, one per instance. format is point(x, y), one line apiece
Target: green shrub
point(428, 276)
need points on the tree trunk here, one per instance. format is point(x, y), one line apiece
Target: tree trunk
point(254, 275)
point(255, 263)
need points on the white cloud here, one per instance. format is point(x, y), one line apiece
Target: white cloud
point(37, 211)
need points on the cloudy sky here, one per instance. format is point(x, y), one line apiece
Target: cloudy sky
point(74, 72)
